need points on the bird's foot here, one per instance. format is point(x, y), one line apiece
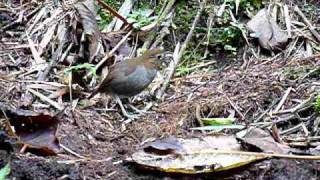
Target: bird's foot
point(142, 111)
point(130, 116)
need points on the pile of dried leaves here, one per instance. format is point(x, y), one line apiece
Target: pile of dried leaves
point(52, 54)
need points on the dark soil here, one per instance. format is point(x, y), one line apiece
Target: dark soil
point(108, 141)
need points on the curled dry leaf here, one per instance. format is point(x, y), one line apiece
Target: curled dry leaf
point(35, 130)
point(263, 141)
point(267, 30)
point(193, 156)
point(90, 26)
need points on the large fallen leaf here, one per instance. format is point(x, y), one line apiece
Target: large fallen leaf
point(266, 29)
point(36, 131)
point(204, 161)
point(195, 155)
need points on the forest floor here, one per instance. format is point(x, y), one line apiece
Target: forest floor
point(247, 87)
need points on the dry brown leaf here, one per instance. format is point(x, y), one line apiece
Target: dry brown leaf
point(268, 32)
point(195, 155)
point(36, 130)
point(263, 141)
point(90, 26)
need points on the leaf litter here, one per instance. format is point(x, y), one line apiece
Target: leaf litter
point(43, 39)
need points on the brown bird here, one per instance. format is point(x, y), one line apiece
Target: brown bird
point(129, 77)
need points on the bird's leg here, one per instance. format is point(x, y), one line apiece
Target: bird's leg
point(107, 102)
point(123, 110)
point(144, 110)
point(137, 110)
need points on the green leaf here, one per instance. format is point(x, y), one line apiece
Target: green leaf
point(139, 18)
point(86, 66)
point(5, 171)
point(218, 121)
point(219, 127)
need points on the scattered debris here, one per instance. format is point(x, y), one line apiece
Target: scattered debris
point(53, 54)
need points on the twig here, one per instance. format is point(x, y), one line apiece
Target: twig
point(202, 65)
point(257, 154)
point(307, 22)
point(17, 22)
point(287, 20)
point(109, 54)
point(113, 12)
point(291, 130)
point(302, 139)
point(234, 107)
point(84, 160)
point(36, 55)
point(310, 57)
point(285, 119)
point(266, 111)
point(186, 94)
point(10, 129)
point(46, 99)
point(179, 51)
point(71, 151)
point(283, 99)
point(193, 76)
point(300, 106)
point(163, 15)
point(198, 115)
point(308, 74)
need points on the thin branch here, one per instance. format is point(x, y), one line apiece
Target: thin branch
point(113, 12)
point(307, 22)
point(46, 99)
point(180, 51)
point(283, 99)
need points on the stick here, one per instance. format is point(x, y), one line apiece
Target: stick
point(113, 12)
point(307, 22)
point(179, 51)
point(46, 99)
point(71, 151)
point(300, 106)
point(198, 116)
point(109, 54)
point(234, 107)
point(287, 20)
point(261, 155)
point(283, 99)
point(266, 111)
point(164, 13)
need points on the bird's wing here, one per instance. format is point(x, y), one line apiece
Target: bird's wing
point(120, 72)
